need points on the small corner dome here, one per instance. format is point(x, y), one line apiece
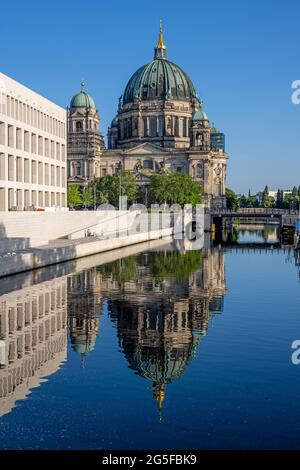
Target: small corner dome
point(214, 130)
point(82, 100)
point(200, 115)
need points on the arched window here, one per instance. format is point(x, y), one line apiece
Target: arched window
point(78, 126)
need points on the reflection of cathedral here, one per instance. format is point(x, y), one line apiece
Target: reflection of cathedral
point(161, 322)
point(161, 303)
point(160, 127)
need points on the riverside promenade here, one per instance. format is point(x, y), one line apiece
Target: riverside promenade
point(59, 251)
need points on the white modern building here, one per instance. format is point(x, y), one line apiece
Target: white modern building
point(32, 149)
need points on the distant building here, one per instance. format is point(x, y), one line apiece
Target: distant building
point(32, 149)
point(273, 194)
point(160, 127)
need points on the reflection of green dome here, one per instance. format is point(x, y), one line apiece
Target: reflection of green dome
point(82, 100)
point(200, 115)
point(82, 346)
point(160, 79)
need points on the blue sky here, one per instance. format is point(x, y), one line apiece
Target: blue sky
point(242, 57)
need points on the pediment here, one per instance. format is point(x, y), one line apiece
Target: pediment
point(145, 149)
point(77, 179)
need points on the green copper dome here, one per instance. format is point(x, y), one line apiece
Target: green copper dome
point(82, 100)
point(162, 80)
point(200, 115)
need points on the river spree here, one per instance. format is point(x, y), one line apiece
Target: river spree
point(159, 346)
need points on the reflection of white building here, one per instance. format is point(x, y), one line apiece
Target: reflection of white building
point(32, 149)
point(33, 338)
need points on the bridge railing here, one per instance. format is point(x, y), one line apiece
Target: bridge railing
point(254, 211)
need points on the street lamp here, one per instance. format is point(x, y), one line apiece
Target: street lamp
point(120, 184)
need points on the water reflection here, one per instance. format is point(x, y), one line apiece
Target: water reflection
point(33, 338)
point(160, 301)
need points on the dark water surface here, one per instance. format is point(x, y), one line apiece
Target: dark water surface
point(164, 349)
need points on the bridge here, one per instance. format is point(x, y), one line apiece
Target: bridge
point(284, 216)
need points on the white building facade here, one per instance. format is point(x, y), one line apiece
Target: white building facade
point(32, 149)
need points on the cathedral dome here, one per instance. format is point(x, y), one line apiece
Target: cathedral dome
point(82, 100)
point(160, 79)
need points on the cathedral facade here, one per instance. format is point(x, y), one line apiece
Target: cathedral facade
point(160, 127)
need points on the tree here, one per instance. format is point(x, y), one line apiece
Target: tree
point(267, 201)
point(279, 199)
point(109, 188)
point(233, 202)
point(74, 196)
point(87, 198)
point(174, 188)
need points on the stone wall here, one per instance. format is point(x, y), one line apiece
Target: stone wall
point(21, 230)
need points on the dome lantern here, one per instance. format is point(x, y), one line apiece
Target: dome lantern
point(160, 49)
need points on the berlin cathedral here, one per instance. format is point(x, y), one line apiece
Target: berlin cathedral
point(160, 127)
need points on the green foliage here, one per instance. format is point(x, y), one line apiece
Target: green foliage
point(87, 198)
point(74, 196)
point(174, 264)
point(109, 188)
point(121, 271)
point(267, 201)
point(161, 266)
point(248, 202)
point(174, 188)
point(233, 201)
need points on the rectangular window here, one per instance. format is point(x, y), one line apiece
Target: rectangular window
point(47, 201)
point(153, 127)
point(40, 168)
point(33, 172)
point(19, 169)
point(52, 149)
point(33, 143)
point(10, 136)
point(52, 175)
point(180, 127)
point(40, 145)
point(11, 167)
point(26, 141)
point(47, 154)
point(26, 170)
point(57, 176)
point(57, 151)
point(2, 133)
point(19, 138)
point(63, 177)
point(47, 174)
point(2, 166)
